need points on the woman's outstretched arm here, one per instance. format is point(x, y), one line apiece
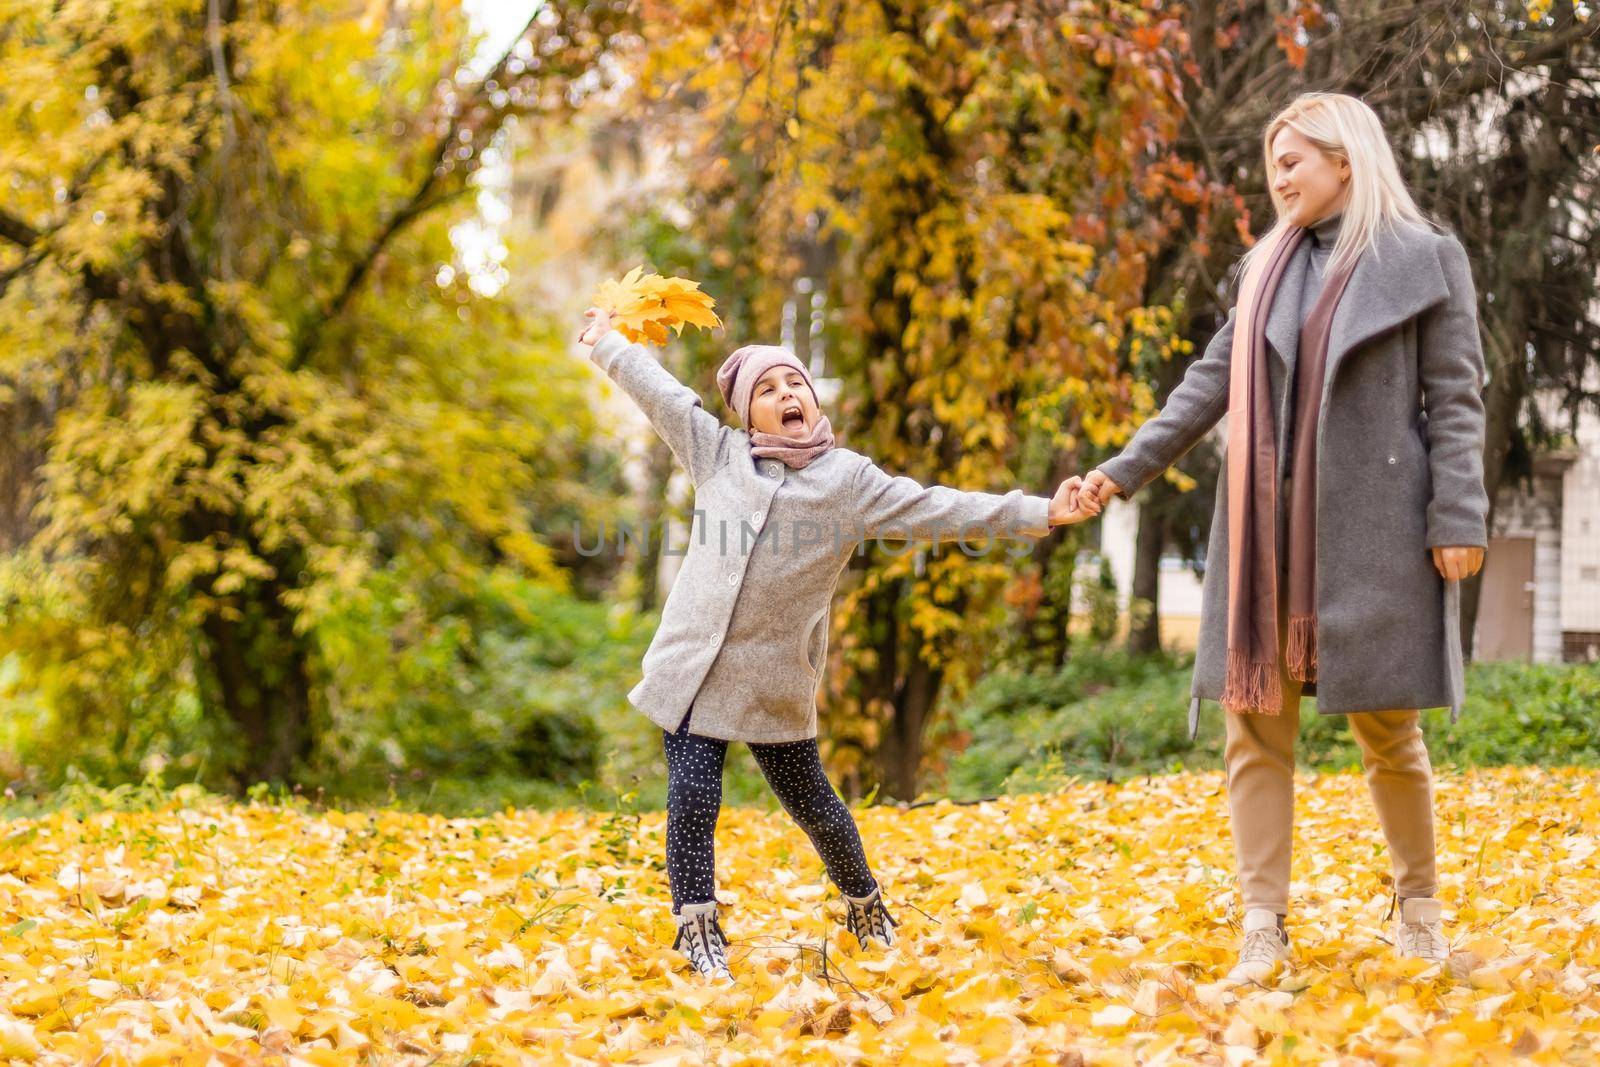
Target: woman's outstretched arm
point(1194, 407)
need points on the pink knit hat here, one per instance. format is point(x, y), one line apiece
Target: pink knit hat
point(739, 373)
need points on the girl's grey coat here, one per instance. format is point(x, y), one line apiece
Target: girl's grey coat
point(1399, 471)
point(744, 632)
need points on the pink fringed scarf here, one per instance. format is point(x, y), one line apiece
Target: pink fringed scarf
point(1252, 682)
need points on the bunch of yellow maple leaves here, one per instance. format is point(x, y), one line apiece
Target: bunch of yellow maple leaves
point(1089, 925)
point(650, 308)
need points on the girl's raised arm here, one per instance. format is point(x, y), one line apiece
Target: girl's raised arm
point(698, 438)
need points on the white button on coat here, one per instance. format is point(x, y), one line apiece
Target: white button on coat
point(756, 677)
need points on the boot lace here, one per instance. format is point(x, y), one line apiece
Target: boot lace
point(1422, 939)
point(1261, 946)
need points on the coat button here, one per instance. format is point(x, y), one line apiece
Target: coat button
point(733, 578)
point(1391, 461)
point(755, 518)
point(714, 639)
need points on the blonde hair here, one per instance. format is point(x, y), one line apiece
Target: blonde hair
point(1344, 127)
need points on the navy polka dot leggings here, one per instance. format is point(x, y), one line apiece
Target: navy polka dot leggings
point(794, 771)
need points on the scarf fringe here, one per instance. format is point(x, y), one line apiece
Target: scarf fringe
point(1302, 652)
point(1251, 686)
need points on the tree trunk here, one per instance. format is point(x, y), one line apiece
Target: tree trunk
point(900, 752)
point(1144, 623)
point(262, 682)
point(1045, 638)
point(23, 424)
point(1502, 404)
point(658, 472)
point(1519, 268)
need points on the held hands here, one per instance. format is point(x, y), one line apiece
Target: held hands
point(1082, 498)
point(1064, 506)
point(1098, 491)
point(1079, 499)
point(598, 325)
point(1068, 505)
point(1457, 563)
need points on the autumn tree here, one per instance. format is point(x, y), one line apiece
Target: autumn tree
point(976, 180)
point(244, 363)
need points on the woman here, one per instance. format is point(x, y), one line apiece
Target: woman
point(1352, 505)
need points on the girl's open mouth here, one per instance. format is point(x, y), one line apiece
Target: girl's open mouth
point(793, 419)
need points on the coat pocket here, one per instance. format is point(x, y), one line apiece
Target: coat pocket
point(817, 640)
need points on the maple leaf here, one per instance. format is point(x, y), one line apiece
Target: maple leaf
point(644, 307)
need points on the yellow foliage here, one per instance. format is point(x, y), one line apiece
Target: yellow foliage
point(1096, 919)
point(644, 307)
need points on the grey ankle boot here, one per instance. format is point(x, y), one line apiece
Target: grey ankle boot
point(869, 920)
point(701, 939)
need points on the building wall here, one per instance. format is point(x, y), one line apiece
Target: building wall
point(1580, 533)
point(1178, 599)
point(1547, 553)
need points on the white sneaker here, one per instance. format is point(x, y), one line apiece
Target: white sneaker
point(1263, 948)
point(869, 920)
point(1417, 934)
point(701, 939)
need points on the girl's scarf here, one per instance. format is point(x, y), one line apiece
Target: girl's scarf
point(796, 452)
point(1252, 682)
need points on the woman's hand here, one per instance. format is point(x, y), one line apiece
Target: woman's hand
point(598, 325)
point(1097, 492)
point(1456, 563)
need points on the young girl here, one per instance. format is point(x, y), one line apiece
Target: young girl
point(739, 652)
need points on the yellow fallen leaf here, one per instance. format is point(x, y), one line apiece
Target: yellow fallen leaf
point(1112, 1017)
point(17, 1040)
point(281, 1011)
point(297, 945)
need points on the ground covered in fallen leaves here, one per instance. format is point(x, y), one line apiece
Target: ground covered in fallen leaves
point(1089, 925)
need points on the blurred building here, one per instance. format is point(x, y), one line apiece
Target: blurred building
point(1541, 581)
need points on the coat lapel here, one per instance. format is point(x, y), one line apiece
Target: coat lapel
point(1402, 280)
point(1283, 319)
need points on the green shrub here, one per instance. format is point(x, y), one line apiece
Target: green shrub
point(1111, 716)
point(465, 697)
point(497, 698)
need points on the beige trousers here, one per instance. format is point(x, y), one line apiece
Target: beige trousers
point(1259, 755)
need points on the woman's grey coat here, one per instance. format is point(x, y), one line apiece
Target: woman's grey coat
point(744, 632)
point(1399, 472)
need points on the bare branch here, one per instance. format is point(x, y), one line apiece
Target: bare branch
point(29, 261)
point(17, 231)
